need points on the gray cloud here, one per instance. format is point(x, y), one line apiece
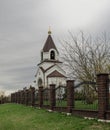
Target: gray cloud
point(23, 31)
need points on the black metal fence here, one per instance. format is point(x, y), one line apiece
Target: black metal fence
point(61, 96)
point(109, 92)
point(36, 98)
point(86, 96)
point(46, 97)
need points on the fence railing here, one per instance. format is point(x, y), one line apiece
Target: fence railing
point(36, 98)
point(86, 98)
point(46, 97)
point(61, 96)
point(109, 92)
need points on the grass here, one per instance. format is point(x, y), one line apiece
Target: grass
point(84, 106)
point(78, 105)
point(61, 103)
point(19, 117)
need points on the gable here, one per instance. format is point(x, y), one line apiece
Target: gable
point(53, 68)
point(39, 73)
point(55, 74)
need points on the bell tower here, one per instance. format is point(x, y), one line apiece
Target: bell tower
point(50, 68)
point(49, 51)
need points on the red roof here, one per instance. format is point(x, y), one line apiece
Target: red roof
point(56, 74)
point(49, 44)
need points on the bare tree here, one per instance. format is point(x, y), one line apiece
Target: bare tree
point(2, 94)
point(85, 56)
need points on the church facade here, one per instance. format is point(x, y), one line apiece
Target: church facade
point(50, 68)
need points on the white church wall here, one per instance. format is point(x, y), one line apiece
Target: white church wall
point(57, 81)
point(45, 55)
point(56, 67)
point(46, 65)
point(40, 75)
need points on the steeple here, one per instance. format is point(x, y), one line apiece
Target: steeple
point(50, 68)
point(49, 51)
point(49, 44)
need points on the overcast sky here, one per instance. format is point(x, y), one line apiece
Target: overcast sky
point(23, 31)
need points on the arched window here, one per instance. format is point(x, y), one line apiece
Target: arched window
point(52, 55)
point(39, 82)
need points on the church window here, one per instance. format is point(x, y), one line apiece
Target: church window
point(52, 55)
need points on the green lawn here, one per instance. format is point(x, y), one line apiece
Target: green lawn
point(19, 117)
point(85, 106)
point(78, 105)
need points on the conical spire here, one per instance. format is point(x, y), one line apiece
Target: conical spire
point(49, 44)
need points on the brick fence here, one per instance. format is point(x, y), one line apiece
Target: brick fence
point(27, 97)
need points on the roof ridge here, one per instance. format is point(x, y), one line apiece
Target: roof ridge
point(54, 61)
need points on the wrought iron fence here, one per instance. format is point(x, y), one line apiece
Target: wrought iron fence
point(46, 95)
point(23, 97)
point(29, 97)
point(36, 97)
point(61, 96)
point(109, 92)
point(86, 96)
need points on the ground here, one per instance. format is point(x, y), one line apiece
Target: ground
point(19, 117)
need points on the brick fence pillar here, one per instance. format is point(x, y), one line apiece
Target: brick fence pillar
point(52, 96)
point(23, 101)
point(40, 95)
point(70, 95)
point(29, 97)
point(103, 95)
point(11, 97)
point(26, 97)
point(15, 97)
point(20, 97)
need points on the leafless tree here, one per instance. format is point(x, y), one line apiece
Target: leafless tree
point(85, 56)
point(2, 94)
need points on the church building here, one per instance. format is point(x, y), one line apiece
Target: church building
point(50, 69)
